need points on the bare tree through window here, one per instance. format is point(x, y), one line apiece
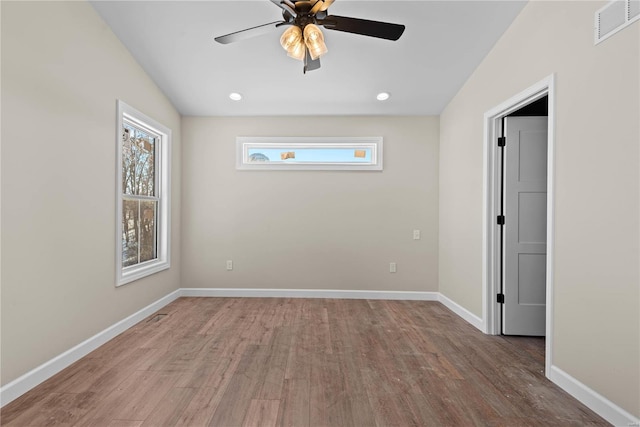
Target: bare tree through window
point(140, 201)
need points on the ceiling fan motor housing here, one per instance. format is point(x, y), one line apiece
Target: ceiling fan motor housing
point(304, 15)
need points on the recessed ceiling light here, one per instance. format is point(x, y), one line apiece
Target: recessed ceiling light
point(383, 96)
point(235, 96)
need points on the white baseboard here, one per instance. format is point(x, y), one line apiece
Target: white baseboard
point(26, 382)
point(308, 293)
point(596, 402)
point(461, 311)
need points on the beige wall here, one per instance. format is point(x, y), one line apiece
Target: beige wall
point(311, 229)
point(62, 71)
point(596, 295)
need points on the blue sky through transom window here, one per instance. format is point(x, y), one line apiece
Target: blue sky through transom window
point(309, 155)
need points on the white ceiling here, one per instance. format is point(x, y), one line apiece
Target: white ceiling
point(443, 43)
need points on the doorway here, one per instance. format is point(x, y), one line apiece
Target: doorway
point(522, 224)
point(493, 272)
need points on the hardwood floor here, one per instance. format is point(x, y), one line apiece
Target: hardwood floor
point(303, 362)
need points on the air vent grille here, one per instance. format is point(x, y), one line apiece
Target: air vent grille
point(615, 16)
point(156, 317)
point(634, 9)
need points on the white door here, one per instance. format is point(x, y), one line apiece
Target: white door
point(525, 226)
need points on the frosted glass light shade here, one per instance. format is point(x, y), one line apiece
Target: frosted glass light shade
point(314, 40)
point(297, 51)
point(291, 41)
point(291, 37)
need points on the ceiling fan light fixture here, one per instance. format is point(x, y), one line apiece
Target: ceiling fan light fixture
point(290, 38)
point(314, 39)
point(297, 51)
point(291, 41)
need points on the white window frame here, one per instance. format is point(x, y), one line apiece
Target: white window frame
point(246, 143)
point(162, 261)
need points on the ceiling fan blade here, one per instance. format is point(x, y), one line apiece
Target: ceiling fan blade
point(310, 64)
point(326, 4)
point(317, 4)
point(287, 6)
point(320, 6)
point(250, 32)
point(381, 30)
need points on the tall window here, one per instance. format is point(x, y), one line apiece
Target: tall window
point(142, 239)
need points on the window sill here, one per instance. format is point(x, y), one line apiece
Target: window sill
point(141, 271)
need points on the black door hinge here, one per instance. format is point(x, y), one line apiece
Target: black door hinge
point(502, 141)
point(500, 219)
point(500, 298)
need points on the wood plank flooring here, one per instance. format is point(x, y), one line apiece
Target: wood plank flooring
point(303, 362)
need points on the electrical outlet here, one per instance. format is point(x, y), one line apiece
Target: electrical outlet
point(416, 234)
point(392, 267)
point(229, 265)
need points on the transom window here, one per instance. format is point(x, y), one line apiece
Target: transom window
point(143, 195)
point(298, 153)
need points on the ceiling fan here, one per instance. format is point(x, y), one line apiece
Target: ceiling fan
point(303, 40)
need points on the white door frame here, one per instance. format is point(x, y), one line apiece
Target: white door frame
point(490, 235)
